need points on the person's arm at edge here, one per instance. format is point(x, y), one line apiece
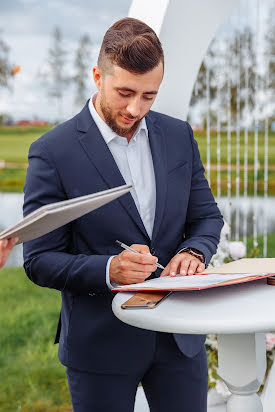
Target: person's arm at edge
point(6, 246)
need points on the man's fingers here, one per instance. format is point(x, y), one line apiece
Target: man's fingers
point(141, 248)
point(125, 272)
point(133, 277)
point(174, 265)
point(165, 271)
point(5, 248)
point(193, 266)
point(14, 240)
point(137, 267)
point(140, 258)
point(185, 264)
point(8, 243)
point(3, 244)
point(200, 268)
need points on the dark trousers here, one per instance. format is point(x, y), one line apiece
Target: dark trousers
point(171, 382)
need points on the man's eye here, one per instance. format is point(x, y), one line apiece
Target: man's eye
point(148, 98)
point(124, 95)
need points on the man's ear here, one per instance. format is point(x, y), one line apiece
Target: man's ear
point(97, 77)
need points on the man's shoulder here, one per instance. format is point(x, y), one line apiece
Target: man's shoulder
point(58, 134)
point(166, 119)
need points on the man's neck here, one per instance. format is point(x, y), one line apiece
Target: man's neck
point(98, 109)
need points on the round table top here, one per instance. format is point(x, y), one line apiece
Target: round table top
point(243, 308)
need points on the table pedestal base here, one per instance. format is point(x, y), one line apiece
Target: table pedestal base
point(240, 403)
point(242, 365)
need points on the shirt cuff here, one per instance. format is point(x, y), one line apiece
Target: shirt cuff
point(110, 284)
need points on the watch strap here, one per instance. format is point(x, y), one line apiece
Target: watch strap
point(194, 252)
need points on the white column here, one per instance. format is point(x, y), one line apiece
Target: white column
point(208, 148)
point(256, 137)
point(266, 150)
point(238, 113)
point(177, 22)
point(242, 366)
point(228, 110)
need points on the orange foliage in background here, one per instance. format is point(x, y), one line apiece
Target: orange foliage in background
point(15, 70)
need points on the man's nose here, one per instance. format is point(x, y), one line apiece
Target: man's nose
point(133, 107)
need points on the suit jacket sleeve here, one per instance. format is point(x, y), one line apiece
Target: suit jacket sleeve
point(204, 220)
point(51, 260)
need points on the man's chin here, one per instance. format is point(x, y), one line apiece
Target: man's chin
point(124, 129)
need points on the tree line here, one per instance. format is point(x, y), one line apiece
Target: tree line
point(56, 78)
point(229, 75)
point(236, 71)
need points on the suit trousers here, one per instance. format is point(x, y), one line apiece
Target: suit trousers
point(171, 382)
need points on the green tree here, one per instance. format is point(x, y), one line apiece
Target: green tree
point(230, 58)
point(6, 71)
point(82, 64)
point(242, 52)
point(56, 78)
point(270, 49)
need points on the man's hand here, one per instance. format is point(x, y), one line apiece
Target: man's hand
point(129, 267)
point(5, 248)
point(183, 263)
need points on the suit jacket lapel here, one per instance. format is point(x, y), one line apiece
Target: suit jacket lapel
point(101, 157)
point(158, 150)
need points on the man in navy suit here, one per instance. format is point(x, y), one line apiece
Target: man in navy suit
point(170, 214)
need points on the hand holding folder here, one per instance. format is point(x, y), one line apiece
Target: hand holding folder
point(52, 216)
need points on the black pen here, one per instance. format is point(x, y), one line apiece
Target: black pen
point(135, 251)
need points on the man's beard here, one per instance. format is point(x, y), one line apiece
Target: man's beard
point(111, 122)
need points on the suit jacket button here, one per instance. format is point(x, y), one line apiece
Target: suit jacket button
point(152, 251)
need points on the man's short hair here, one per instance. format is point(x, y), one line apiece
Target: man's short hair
point(132, 45)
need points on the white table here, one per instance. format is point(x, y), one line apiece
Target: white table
point(239, 314)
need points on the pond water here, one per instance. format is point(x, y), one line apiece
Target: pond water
point(11, 212)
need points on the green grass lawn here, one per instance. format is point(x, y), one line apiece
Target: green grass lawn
point(16, 140)
point(201, 139)
point(31, 377)
point(12, 180)
point(259, 251)
point(15, 143)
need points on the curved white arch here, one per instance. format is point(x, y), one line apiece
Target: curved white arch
point(185, 28)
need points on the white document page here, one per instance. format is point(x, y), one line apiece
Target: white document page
point(187, 282)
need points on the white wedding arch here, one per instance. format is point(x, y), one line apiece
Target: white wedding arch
point(185, 29)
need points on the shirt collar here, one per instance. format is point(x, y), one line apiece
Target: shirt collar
point(107, 133)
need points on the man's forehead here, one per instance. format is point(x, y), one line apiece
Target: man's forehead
point(129, 81)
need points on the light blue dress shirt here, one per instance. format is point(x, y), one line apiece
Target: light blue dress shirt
point(134, 160)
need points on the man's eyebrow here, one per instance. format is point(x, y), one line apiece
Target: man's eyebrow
point(125, 89)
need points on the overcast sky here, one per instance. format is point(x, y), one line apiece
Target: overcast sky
point(27, 27)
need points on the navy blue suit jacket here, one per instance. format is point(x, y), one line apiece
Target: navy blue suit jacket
point(73, 160)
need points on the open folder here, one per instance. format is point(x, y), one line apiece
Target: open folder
point(50, 217)
point(244, 270)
